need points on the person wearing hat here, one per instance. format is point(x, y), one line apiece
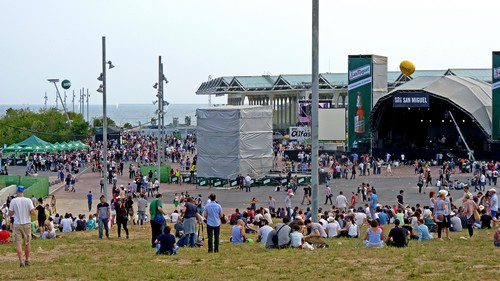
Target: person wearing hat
point(439, 212)
point(21, 208)
point(455, 222)
point(493, 203)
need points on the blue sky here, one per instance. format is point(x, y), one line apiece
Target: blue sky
point(62, 39)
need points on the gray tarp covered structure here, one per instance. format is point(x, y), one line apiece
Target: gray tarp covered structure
point(471, 95)
point(234, 140)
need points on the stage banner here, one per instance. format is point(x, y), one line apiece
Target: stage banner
point(495, 93)
point(360, 97)
point(419, 99)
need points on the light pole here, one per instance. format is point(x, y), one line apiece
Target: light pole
point(161, 120)
point(102, 89)
point(55, 81)
point(314, 109)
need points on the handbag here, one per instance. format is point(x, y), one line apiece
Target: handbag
point(440, 217)
point(477, 217)
point(159, 219)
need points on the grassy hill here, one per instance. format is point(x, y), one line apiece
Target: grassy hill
point(82, 256)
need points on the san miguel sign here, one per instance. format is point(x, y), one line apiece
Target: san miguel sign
point(420, 99)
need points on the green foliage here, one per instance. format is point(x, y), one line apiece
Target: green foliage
point(49, 125)
point(127, 126)
point(98, 122)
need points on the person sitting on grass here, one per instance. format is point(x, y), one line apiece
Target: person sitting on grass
point(165, 243)
point(373, 236)
point(496, 238)
point(91, 223)
point(398, 236)
point(238, 232)
point(5, 235)
point(317, 235)
point(296, 237)
point(423, 231)
point(50, 231)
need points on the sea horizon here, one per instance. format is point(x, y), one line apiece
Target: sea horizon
point(133, 113)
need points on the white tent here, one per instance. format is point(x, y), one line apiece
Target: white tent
point(470, 95)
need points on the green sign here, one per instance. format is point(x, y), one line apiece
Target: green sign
point(360, 91)
point(495, 93)
point(66, 84)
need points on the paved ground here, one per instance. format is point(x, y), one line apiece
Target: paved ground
point(387, 189)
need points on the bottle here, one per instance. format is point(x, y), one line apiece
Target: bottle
point(359, 118)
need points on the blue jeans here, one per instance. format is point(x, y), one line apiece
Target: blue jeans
point(183, 241)
point(105, 223)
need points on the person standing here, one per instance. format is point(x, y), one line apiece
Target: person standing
point(189, 219)
point(142, 204)
point(373, 202)
point(288, 203)
point(21, 208)
point(213, 214)
point(121, 216)
point(341, 202)
point(103, 214)
point(89, 200)
point(248, 180)
point(328, 195)
point(155, 208)
point(493, 203)
point(271, 204)
point(469, 207)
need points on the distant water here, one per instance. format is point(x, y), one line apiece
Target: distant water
point(123, 113)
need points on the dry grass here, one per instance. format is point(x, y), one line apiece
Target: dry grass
point(82, 256)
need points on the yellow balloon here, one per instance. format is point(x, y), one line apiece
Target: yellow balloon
point(407, 67)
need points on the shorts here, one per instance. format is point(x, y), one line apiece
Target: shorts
point(22, 233)
point(141, 215)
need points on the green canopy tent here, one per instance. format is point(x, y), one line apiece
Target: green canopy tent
point(32, 140)
point(63, 146)
point(12, 148)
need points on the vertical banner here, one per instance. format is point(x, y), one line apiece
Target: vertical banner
point(360, 95)
point(495, 93)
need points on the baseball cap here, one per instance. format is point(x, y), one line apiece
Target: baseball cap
point(20, 189)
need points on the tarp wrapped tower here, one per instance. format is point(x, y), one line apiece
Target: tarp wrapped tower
point(234, 140)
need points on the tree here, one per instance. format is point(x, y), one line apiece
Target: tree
point(98, 122)
point(50, 125)
point(127, 126)
point(187, 120)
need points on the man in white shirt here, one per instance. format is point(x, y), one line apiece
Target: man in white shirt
point(21, 208)
point(264, 231)
point(332, 228)
point(174, 216)
point(248, 179)
point(341, 202)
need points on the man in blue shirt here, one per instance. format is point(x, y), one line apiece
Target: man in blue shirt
point(382, 216)
point(212, 215)
point(89, 200)
point(373, 202)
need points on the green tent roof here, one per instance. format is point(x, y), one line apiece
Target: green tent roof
point(32, 140)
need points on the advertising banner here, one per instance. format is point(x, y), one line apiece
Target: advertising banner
point(300, 134)
point(419, 99)
point(495, 93)
point(360, 95)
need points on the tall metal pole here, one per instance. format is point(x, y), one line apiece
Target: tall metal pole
point(314, 110)
point(73, 101)
point(163, 143)
point(160, 114)
point(104, 121)
point(88, 116)
point(55, 81)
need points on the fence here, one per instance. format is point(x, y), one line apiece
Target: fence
point(38, 186)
